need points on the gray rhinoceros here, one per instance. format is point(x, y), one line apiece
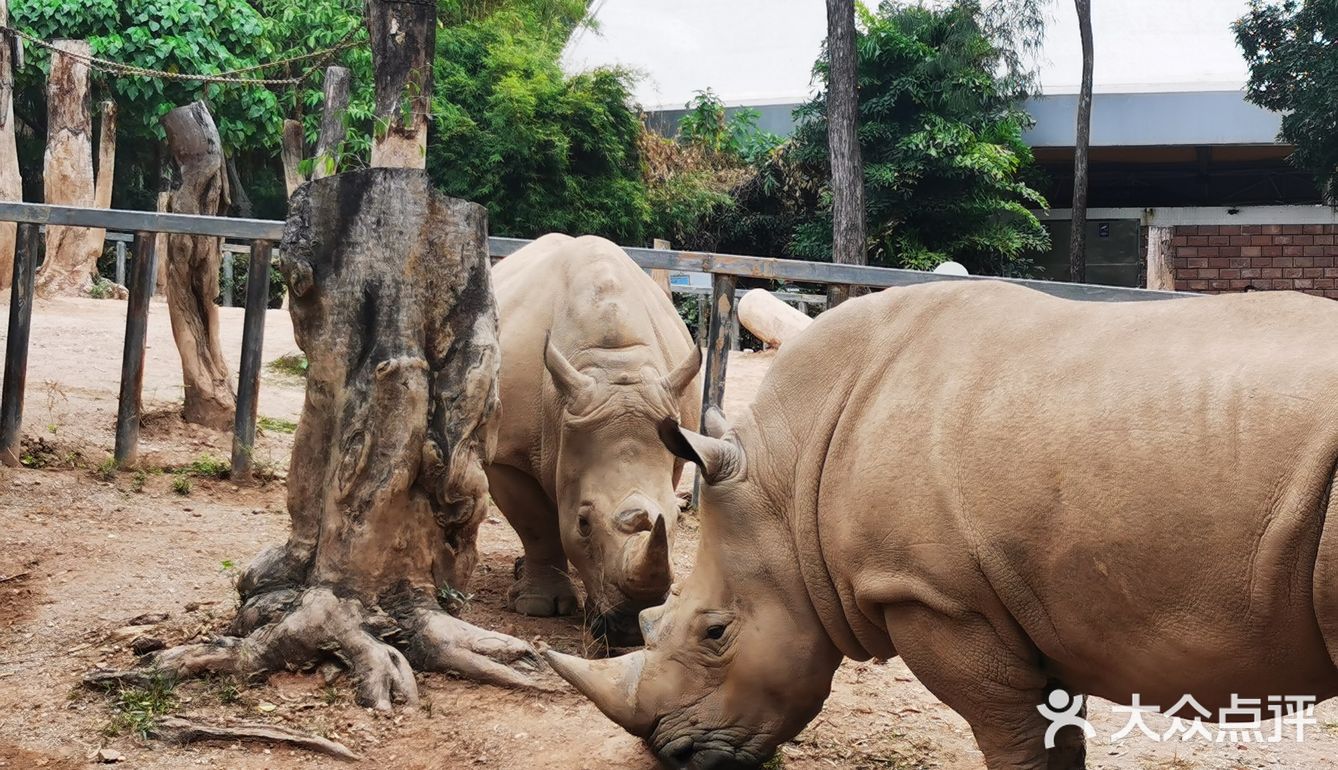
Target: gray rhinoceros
point(594, 355)
point(1014, 493)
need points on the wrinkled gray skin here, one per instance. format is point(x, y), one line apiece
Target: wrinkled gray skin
point(594, 356)
point(1013, 493)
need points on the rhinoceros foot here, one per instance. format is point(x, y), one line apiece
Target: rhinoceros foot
point(542, 592)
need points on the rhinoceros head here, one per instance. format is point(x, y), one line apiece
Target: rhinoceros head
point(617, 507)
point(736, 661)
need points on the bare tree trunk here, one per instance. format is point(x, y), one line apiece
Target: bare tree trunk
point(403, 37)
point(848, 227)
point(293, 151)
point(1078, 236)
point(1161, 266)
point(241, 202)
point(333, 128)
point(393, 306)
point(71, 252)
point(192, 269)
point(102, 189)
point(11, 183)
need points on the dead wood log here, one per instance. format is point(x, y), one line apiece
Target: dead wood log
point(11, 183)
point(71, 252)
point(192, 267)
point(180, 730)
point(292, 151)
point(403, 38)
point(393, 306)
point(770, 319)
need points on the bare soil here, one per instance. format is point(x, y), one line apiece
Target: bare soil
point(82, 556)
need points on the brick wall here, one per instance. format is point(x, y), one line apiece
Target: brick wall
point(1227, 258)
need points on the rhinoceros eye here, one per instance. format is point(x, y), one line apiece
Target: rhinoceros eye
point(583, 525)
point(715, 631)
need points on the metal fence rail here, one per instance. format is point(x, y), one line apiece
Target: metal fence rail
point(721, 330)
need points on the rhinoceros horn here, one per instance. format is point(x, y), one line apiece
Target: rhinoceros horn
point(611, 684)
point(646, 569)
point(680, 379)
point(569, 380)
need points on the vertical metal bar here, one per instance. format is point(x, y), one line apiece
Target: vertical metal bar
point(228, 256)
point(132, 358)
point(720, 340)
point(16, 344)
point(248, 380)
point(120, 263)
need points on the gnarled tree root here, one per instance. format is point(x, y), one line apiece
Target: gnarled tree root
point(319, 626)
point(180, 730)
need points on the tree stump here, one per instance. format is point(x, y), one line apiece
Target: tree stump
point(71, 252)
point(393, 306)
point(11, 184)
point(192, 267)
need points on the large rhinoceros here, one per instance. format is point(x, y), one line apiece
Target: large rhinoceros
point(594, 355)
point(1014, 493)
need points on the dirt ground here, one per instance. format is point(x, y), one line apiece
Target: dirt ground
point(82, 555)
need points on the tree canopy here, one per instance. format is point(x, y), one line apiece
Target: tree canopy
point(1290, 49)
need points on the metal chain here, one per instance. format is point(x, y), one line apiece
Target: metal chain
point(120, 68)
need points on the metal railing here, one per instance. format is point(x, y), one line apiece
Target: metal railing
point(721, 331)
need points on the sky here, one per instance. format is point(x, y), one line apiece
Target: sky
point(762, 51)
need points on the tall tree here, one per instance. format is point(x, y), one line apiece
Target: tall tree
point(848, 226)
point(1078, 236)
point(1289, 47)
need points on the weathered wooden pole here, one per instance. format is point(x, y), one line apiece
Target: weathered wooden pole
point(1161, 262)
point(132, 357)
point(292, 151)
point(719, 341)
point(16, 344)
point(11, 183)
point(120, 263)
point(333, 128)
point(404, 39)
point(71, 252)
point(661, 277)
point(192, 268)
point(248, 380)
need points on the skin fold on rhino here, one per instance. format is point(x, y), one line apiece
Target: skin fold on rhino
point(594, 356)
point(1014, 493)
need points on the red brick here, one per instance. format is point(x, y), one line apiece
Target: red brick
point(1251, 272)
point(1239, 262)
point(1292, 229)
point(1303, 240)
point(1229, 274)
point(1331, 293)
point(1251, 229)
point(1219, 262)
point(1261, 240)
point(1312, 272)
point(1288, 272)
point(1188, 251)
point(1198, 285)
point(1323, 240)
point(1207, 273)
point(1272, 229)
point(1228, 229)
point(1186, 230)
point(1314, 251)
point(1219, 240)
point(1240, 240)
point(1207, 229)
point(1219, 285)
point(1209, 251)
point(1284, 240)
point(1229, 251)
point(1251, 251)
point(1324, 261)
point(1305, 283)
point(1272, 272)
point(1179, 240)
point(1303, 262)
point(1272, 251)
point(1331, 272)
point(1282, 262)
point(1196, 262)
point(1314, 292)
point(1238, 284)
point(1293, 251)
point(1197, 240)
point(1181, 285)
point(1314, 229)
point(1324, 283)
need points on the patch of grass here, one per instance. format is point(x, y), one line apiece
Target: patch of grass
point(276, 425)
point(293, 364)
point(208, 468)
point(330, 695)
point(181, 484)
point(137, 709)
point(106, 470)
point(101, 288)
point(31, 460)
point(137, 481)
point(226, 688)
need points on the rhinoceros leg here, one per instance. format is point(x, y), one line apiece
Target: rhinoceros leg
point(1326, 576)
point(542, 587)
point(990, 677)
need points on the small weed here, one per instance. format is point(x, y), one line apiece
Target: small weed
point(138, 708)
point(276, 425)
point(106, 470)
point(226, 689)
point(181, 484)
point(101, 288)
point(453, 600)
point(294, 364)
point(137, 481)
point(30, 460)
point(208, 467)
point(330, 695)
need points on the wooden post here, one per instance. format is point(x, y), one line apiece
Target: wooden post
point(1161, 260)
point(720, 340)
point(16, 344)
point(248, 379)
point(11, 184)
point(120, 263)
point(403, 37)
point(132, 358)
point(703, 319)
point(333, 128)
point(71, 252)
point(661, 277)
point(228, 278)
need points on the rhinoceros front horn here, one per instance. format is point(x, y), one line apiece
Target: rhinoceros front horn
point(646, 570)
point(611, 684)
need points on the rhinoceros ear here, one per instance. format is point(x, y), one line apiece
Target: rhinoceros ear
point(718, 459)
